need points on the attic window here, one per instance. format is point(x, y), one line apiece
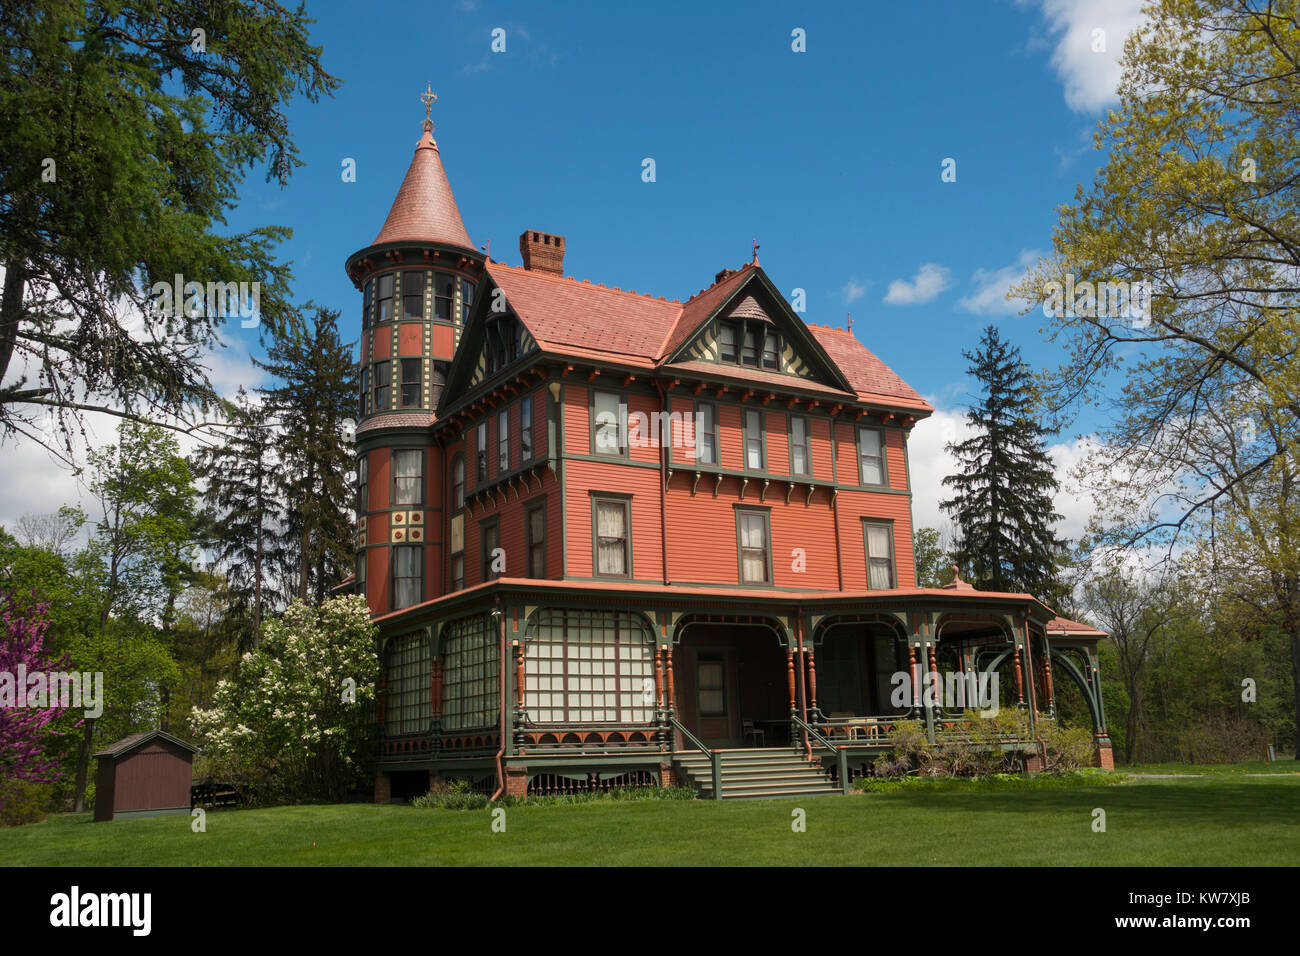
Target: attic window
point(727, 342)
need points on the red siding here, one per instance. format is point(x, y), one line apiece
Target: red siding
point(856, 505)
point(577, 438)
point(582, 477)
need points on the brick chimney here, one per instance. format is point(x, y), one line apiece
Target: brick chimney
point(542, 252)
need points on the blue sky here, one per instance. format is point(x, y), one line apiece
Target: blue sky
point(831, 158)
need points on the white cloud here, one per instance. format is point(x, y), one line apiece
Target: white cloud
point(929, 463)
point(991, 286)
point(1090, 76)
point(852, 291)
point(925, 286)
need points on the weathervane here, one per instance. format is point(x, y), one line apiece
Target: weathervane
point(754, 261)
point(428, 98)
point(849, 316)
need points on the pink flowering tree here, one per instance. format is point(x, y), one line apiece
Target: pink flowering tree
point(25, 731)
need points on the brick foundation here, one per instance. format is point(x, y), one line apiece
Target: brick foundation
point(517, 782)
point(1033, 762)
point(383, 787)
point(667, 776)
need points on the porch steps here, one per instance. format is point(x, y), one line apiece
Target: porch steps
point(757, 772)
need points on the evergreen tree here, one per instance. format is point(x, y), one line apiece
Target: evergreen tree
point(1002, 501)
point(244, 514)
point(128, 127)
point(313, 402)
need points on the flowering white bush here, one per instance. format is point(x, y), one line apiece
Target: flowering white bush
point(296, 719)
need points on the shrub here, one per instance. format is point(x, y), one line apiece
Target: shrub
point(457, 795)
point(22, 802)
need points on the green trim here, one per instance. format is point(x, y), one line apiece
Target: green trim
point(765, 512)
point(624, 451)
point(393, 503)
point(807, 443)
point(535, 503)
point(763, 468)
point(611, 460)
point(626, 501)
point(485, 574)
point(887, 523)
point(884, 455)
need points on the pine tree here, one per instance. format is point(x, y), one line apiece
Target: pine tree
point(314, 402)
point(1002, 503)
point(244, 514)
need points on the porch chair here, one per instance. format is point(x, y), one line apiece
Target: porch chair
point(747, 729)
point(841, 730)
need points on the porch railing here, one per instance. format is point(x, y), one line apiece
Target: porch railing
point(840, 753)
point(715, 758)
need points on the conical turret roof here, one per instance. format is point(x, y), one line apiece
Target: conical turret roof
point(425, 209)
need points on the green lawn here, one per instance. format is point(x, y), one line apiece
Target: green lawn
point(1216, 820)
point(1247, 766)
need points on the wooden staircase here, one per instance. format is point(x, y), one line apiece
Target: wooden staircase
point(755, 772)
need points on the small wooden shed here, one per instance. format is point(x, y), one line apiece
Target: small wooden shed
point(143, 775)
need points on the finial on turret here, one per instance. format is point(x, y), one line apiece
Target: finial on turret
point(754, 260)
point(428, 98)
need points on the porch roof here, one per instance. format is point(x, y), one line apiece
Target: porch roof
point(730, 597)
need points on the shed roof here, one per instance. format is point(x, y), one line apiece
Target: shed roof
point(127, 744)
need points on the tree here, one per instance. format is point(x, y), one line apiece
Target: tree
point(1194, 210)
point(1132, 612)
point(244, 515)
point(140, 556)
point(26, 725)
point(128, 127)
point(51, 532)
point(932, 558)
point(1002, 503)
point(294, 720)
point(314, 402)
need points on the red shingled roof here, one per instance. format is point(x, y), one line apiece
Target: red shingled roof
point(563, 314)
point(871, 378)
point(699, 307)
point(587, 320)
point(425, 209)
point(1064, 626)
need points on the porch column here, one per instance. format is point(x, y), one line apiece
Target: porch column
point(812, 682)
point(789, 676)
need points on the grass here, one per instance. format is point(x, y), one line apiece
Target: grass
point(1247, 766)
point(1217, 820)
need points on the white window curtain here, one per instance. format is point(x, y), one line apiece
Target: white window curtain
point(880, 574)
point(753, 548)
point(611, 530)
point(873, 472)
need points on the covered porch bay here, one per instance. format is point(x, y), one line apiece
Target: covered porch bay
point(537, 686)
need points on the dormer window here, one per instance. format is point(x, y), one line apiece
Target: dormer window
point(749, 341)
point(727, 342)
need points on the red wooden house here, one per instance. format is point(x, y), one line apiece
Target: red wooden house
point(606, 534)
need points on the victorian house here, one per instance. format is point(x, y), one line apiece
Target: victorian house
point(611, 537)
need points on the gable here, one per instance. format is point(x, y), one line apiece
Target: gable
point(750, 328)
point(494, 339)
